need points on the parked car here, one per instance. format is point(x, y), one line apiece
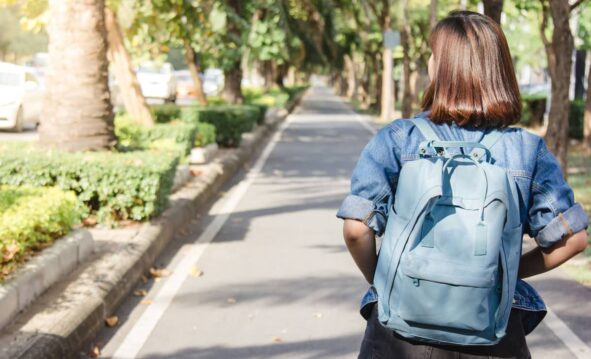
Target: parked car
point(21, 97)
point(157, 81)
point(212, 83)
point(185, 89)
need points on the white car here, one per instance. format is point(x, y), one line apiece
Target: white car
point(21, 97)
point(157, 81)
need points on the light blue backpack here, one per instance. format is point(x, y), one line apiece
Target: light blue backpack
point(444, 272)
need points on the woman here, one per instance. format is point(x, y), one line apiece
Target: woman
point(473, 89)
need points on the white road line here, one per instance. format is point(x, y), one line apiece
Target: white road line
point(363, 122)
point(567, 336)
point(573, 343)
point(141, 330)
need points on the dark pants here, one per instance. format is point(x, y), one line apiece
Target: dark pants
point(380, 342)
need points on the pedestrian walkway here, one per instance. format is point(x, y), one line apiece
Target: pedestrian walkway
point(278, 281)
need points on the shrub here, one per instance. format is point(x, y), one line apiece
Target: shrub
point(166, 113)
point(205, 134)
point(533, 108)
point(576, 119)
point(133, 136)
point(30, 218)
point(230, 121)
point(112, 186)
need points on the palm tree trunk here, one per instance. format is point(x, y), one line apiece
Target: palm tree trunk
point(133, 99)
point(194, 70)
point(77, 113)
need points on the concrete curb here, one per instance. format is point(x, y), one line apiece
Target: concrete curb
point(41, 272)
point(70, 317)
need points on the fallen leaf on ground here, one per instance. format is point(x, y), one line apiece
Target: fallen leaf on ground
point(276, 339)
point(195, 272)
point(159, 272)
point(10, 250)
point(196, 173)
point(146, 302)
point(95, 352)
point(140, 292)
point(112, 321)
point(90, 221)
point(232, 300)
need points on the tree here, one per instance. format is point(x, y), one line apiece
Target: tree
point(559, 51)
point(584, 34)
point(493, 9)
point(405, 40)
point(133, 99)
point(77, 112)
point(381, 10)
point(161, 25)
point(232, 92)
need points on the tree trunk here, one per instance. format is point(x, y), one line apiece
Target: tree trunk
point(387, 103)
point(77, 112)
point(232, 92)
point(131, 92)
point(351, 77)
point(587, 121)
point(560, 64)
point(266, 69)
point(580, 60)
point(194, 70)
point(280, 74)
point(405, 42)
point(433, 14)
point(494, 9)
point(232, 85)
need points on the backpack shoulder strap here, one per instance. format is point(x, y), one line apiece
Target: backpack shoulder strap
point(489, 140)
point(423, 125)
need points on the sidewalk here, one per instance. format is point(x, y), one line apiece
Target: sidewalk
point(277, 279)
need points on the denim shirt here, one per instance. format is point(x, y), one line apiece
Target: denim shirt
point(548, 210)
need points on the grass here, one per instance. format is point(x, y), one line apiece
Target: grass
point(579, 178)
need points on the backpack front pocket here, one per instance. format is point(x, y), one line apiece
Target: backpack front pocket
point(461, 298)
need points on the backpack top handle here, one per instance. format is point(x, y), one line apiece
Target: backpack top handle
point(433, 142)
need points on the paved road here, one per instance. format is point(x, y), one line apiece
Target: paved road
point(278, 281)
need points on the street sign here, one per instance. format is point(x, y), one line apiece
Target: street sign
point(391, 39)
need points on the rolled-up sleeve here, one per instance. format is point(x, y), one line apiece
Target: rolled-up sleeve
point(553, 211)
point(373, 183)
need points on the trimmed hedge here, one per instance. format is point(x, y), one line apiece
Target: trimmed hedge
point(31, 218)
point(175, 136)
point(576, 119)
point(166, 113)
point(205, 134)
point(533, 108)
point(230, 121)
point(112, 186)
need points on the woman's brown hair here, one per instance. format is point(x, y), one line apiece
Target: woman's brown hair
point(473, 80)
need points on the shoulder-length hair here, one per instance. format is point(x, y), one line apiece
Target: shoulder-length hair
point(473, 80)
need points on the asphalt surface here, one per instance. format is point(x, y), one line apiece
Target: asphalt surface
point(277, 279)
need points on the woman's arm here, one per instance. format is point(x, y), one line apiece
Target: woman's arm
point(360, 240)
point(541, 260)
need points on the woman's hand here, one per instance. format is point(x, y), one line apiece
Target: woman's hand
point(360, 240)
point(541, 260)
